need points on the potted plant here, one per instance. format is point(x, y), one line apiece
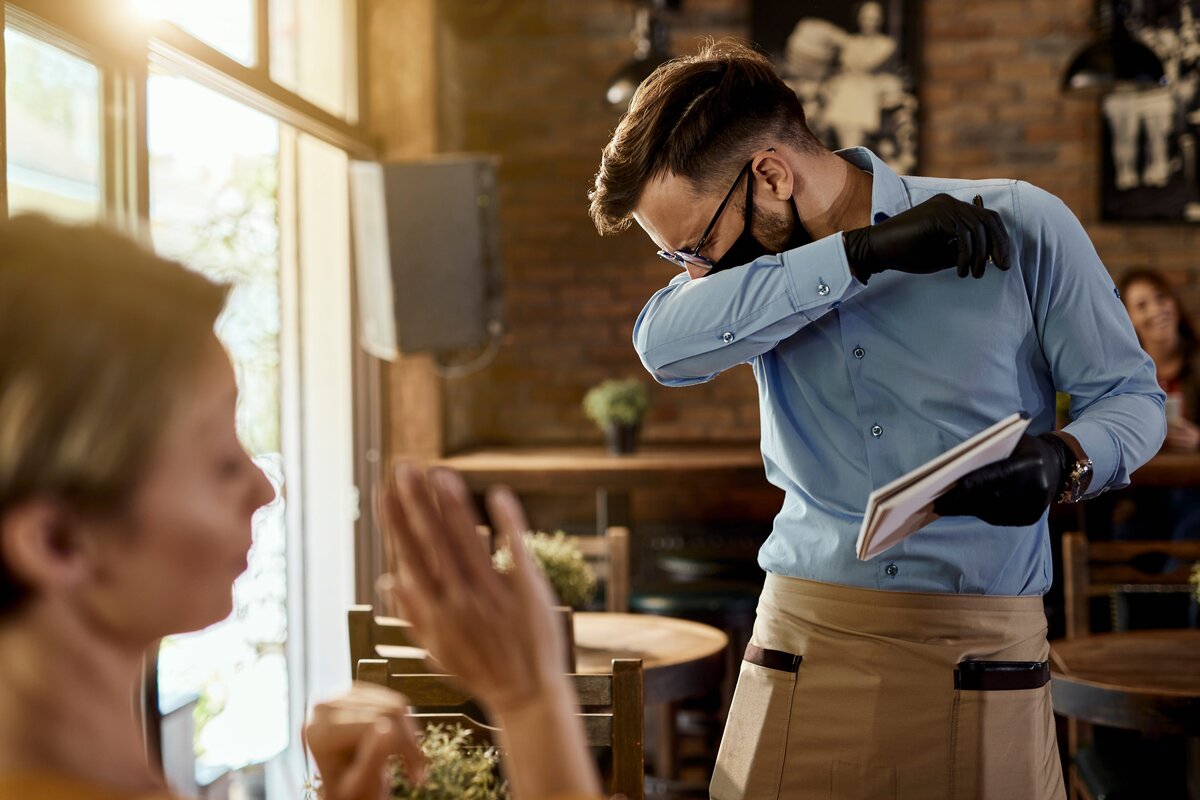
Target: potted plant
point(568, 574)
point(459, 769)
point(618, 407)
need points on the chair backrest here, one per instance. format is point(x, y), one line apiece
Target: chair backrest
point(389, 638)
point(608, 556)
point(618, 727)
point(1116, 569)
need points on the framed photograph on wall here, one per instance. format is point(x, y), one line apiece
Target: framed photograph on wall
point(852, 65)
point(1149, 162)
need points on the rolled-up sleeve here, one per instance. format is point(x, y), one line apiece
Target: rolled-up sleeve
point(692, 330)
point(1089, 342)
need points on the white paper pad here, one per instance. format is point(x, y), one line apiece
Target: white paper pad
point(902, 507)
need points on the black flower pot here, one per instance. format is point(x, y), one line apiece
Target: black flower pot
point(621, 439)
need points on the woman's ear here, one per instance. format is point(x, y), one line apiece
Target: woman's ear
point(40, 547)
point(772, 170)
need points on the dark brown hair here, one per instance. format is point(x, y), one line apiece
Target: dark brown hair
point(699, 117)
point(1187, 330)
point(96, 333)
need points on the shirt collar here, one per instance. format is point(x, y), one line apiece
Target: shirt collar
point(888, 195)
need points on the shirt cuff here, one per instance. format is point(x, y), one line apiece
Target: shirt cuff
point(1098, 443)
point(820, 275)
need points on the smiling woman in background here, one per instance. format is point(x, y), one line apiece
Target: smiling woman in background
point(1167, 334)
point(126, 503)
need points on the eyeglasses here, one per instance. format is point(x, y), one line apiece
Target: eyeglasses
point(691, 255)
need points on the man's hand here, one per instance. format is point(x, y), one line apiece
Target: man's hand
point(352, 738)
point(1013, 491)
point(940, 233)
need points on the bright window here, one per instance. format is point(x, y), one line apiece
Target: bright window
point(52, 130)
point(214, 182)
point(227, 25)
point(310, 53)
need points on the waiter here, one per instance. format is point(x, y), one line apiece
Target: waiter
point(921, 674)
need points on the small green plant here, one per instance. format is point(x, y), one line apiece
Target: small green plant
point(617, 402)
point(571, 578)
point(459, 769)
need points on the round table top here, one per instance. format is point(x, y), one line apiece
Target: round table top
point(680, 658)
point(1145, 680)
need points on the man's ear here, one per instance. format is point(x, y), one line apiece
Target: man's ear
point(40, 547)
point(771, 169)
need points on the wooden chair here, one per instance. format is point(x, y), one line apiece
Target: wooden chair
point(618, 727)
point(608, 556)
point(389, 638)
point(1116, 571)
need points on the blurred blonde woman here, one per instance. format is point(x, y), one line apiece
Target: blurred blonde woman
point(126, 502)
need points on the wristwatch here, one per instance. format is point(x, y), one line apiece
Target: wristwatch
point(1077, 467)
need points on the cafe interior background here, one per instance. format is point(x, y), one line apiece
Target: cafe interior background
point(228, 131)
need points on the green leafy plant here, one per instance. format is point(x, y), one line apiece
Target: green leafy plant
point(617, 402)
point(459, 769)
point(560, 561)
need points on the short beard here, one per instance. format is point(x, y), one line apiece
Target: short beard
point(773, 230)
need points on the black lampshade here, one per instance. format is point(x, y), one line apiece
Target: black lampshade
point(650, 34)
point(1114, 58)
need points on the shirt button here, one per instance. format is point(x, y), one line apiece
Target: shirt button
point(822, 289)
point(876, 431)
point(726, 337)
point(859, 352)
point(891, 570)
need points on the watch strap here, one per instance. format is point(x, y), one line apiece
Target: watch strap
point(1077, 467)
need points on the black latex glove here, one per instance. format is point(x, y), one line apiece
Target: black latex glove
point(1012, 491)
point(938, 234)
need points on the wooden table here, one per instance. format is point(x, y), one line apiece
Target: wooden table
point(563, 469)
point(1169, 469)
point(1140, 680)
point(680, 659)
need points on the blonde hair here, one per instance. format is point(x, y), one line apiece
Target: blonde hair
point(95, 333)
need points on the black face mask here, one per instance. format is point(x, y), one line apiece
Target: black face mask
point(746, 247)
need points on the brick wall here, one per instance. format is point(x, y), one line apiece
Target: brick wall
point(529, 88)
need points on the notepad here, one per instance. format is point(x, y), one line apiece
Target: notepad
point(904, 506)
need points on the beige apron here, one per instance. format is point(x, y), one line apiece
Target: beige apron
point(857, 694)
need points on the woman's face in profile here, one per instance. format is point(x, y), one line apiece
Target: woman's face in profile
point(1152, 311)
point(167, 564)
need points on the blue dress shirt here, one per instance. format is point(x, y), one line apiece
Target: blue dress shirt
point(860, 384)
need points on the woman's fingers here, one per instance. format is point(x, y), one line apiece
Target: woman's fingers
point(505, 511)
point(413, 559)
point(463, 544)
point(366, 777)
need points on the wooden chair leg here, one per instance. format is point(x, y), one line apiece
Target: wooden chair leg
point(666, 754)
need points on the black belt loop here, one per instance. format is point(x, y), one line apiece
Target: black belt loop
point(773, 659)
point(993, 676)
